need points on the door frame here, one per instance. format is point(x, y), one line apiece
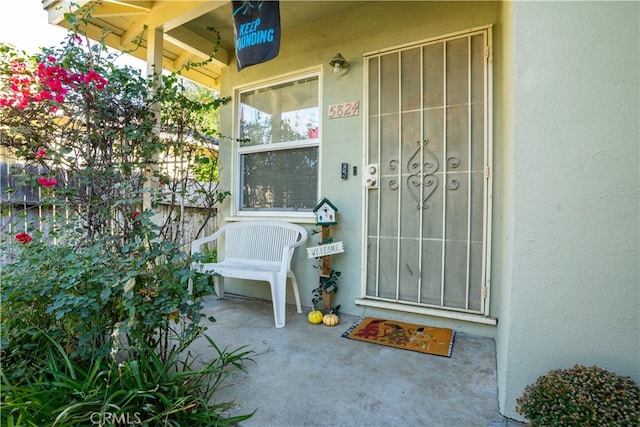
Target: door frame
point(363, 300)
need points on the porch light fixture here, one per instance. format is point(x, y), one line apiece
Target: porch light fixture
point(339, 64)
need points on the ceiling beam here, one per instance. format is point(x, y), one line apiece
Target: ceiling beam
point(185, 11)
point(108, 9)
point(137, 4)
point(136, 29)
point(197, 45)
point(169, 14)
point(165, 14)
point(207, 75)
point(57, 8)
point(181, 60)
point(203, 79)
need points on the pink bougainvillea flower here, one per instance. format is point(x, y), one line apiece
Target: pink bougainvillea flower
point(47, 182)
point(23, 102)
point(52, 80)
point(93, 76)
point(41, 153)
point(44, 94)
point(18, 67)
point(90, 76)
point(23, 238)
point(135, 214)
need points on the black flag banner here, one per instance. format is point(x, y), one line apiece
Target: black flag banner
point(256, 26)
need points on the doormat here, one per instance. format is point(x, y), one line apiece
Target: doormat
point(408, 336)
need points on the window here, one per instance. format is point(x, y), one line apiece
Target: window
point(278, 146)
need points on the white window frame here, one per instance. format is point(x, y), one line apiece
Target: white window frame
point(286, 215)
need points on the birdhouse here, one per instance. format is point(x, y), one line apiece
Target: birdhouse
point(325, 212)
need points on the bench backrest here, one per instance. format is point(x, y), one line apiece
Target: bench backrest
point(261, 240)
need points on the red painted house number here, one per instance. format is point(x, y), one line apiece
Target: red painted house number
point(344, 109)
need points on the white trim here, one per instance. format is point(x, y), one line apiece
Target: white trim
point(300, 215)
point(280, 146)
point(480, 315)
point(488, 197)
point(468, 317)
point(462, 33)
point(236, 213)
point(469, 180)
point(279, 79)
point(288, 217)
point(445, 163)
point(365, 158)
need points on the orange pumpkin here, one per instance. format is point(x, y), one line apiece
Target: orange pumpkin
point(331, 319)
point(315, 317)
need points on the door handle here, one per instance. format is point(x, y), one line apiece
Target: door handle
point(370, 178)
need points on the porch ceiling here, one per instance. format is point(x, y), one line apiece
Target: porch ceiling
point(185, 23)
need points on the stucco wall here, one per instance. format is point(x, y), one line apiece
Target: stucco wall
point(573, 291)
point(364, 29)
point(565, 275)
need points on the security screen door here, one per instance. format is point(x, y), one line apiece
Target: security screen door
point(427, 176)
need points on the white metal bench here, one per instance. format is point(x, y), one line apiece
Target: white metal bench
point(256, 250)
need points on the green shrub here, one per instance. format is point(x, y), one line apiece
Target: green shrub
point(581, 396)
point(143, 389)
point(101, 147)
point(77, 293)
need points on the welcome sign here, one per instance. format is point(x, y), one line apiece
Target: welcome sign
point(325, 250)
point(256, 26)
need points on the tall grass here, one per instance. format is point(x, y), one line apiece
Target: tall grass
point(142, 389)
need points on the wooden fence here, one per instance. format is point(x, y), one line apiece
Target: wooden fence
point(22, 211)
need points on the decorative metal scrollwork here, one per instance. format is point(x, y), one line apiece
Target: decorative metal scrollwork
point(422, 180)
point(393, 184)
point(452, 163)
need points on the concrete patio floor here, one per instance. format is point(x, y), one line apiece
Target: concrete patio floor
point(308, 375)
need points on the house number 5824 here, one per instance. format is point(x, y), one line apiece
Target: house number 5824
point(344, 109)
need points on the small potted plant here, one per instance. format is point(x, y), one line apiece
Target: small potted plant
point(325, 217)
point(321, 299)
point(581, 396)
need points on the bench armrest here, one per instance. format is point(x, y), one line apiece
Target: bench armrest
point(287, 251)
point(196, 244)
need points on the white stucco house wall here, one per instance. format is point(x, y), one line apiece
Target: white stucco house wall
point(543, 194)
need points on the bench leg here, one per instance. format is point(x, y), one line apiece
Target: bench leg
point(278, 296)
point(218, 286)
point(296, 293)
